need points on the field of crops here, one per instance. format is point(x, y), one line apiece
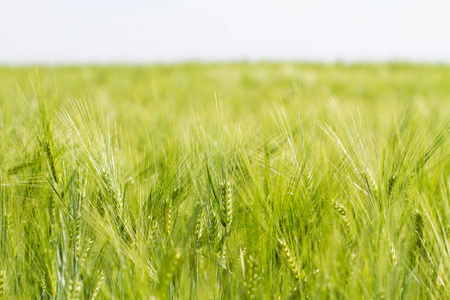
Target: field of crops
point(225, 181)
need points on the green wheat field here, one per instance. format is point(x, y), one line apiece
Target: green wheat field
point(225, 181)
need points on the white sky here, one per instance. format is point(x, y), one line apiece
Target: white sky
point(135, 31)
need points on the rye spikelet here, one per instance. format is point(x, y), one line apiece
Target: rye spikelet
point(50, 280)
point(43, 287)
point(200, 226)
point(2, 284)
point(87, 251)
point(7, 226)
point(223, 195)
point(370, 181)
point(77, 237)
point(223, 255)
point(169, 216)
point(391, 183)
point(393, 254)
point(170, 269)
point(101, 279)
point(250, 274)
point(74, 289)
point(212, 230)
point(309, 183)
point(290, 260)
point(418, 231)
point(339, 208)
point(227, 203)
point(111, 191)
point(47, 146)
point(154, 231)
